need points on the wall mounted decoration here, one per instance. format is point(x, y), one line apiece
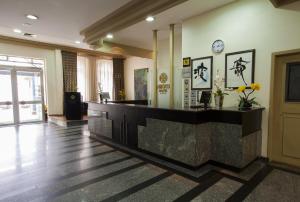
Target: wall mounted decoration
point(193, 98)
point(163, 86)
point(186, 92)
point(140, 84)
point(239, 69)
point(218, 46)
point(186, 62)
point(202, 70)
point(186, 72)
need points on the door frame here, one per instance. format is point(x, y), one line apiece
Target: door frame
point(272, 107)
point(15, 101)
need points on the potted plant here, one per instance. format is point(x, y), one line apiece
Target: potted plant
point(245, 101)
point(122, 94)
point(219, 94)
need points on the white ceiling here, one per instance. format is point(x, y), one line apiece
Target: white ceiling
point(140, 34)
point(62, 20)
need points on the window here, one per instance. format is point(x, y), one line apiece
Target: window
point(105, 76)
point(82, 85)
point(21, 61)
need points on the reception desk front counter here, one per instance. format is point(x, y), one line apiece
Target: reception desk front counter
point(188, 136)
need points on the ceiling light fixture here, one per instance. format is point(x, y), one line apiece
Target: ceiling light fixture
point(17, 31)
point(78, 42)
point(109, 36)
point(30, 35)
point(150, 19)
point(26, 24)
point(32, 17)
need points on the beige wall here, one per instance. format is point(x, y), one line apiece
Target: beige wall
point(164, 63)
point(243, 25)
point(132, 63)
point(53, 72)
point(164, 53)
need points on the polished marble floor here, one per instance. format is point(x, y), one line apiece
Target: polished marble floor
point(44, 162)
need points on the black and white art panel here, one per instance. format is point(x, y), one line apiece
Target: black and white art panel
point(239, 68)
point(201, 76)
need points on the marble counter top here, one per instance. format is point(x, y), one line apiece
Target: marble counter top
point(228, 109)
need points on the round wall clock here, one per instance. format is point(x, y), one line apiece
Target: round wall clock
point(218, 46)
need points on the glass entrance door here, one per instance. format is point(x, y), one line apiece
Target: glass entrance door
point(21, 95)
point(6, 99)
point(30, 102)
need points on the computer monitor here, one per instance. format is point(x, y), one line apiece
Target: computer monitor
point(105, 96)
point(205, 97)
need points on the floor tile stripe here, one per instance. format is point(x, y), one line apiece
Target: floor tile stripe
point(234, 178)
point(54, 195)
point(206, 181)
point(53, 150)
point(81, 149)
point(73, 174)
point(53, 181)
point(77, 144)
point(246, 189)
point(43, 166)
point(64, 134)
point(68, 140)
point(43, 154)
point(61, 144)
point(87, 157)
point(138, 187)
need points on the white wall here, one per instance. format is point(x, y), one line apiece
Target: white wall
point(245, 24)
point(53, 72)
point(131, 63)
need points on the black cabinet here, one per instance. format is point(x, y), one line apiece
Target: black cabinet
point(73, 106)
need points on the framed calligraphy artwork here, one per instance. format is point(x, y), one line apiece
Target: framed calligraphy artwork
point(201, 75)
point(239, 69)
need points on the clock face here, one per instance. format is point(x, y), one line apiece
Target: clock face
point(218, 46)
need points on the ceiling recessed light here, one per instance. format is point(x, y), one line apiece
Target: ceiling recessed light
point(150, 19)
point(26, 24)
point(109, 36)
point(29, 35)
point(32, 17)
point(78, 42)
point(17, 31)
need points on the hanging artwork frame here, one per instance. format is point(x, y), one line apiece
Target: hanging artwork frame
point(141, 84)
point(239, 69)
point(202, 73)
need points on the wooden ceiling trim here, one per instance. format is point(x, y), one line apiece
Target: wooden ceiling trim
point(51, 46)
point(280, 3)
point(124, 50)
point(129, 14)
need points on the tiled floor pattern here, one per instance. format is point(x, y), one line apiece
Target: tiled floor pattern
point(44, 162)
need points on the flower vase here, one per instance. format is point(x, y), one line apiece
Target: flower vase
point(219, 99)
point(244, 104)
point(101, 97)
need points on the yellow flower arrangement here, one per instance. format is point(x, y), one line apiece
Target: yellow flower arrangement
point(122, 94)
point(255, 86)
point(245, 102)
point(241, 89)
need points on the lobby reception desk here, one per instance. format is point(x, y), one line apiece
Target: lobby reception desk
point(191, 137)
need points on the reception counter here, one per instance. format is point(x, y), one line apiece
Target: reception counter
point(188, 136)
